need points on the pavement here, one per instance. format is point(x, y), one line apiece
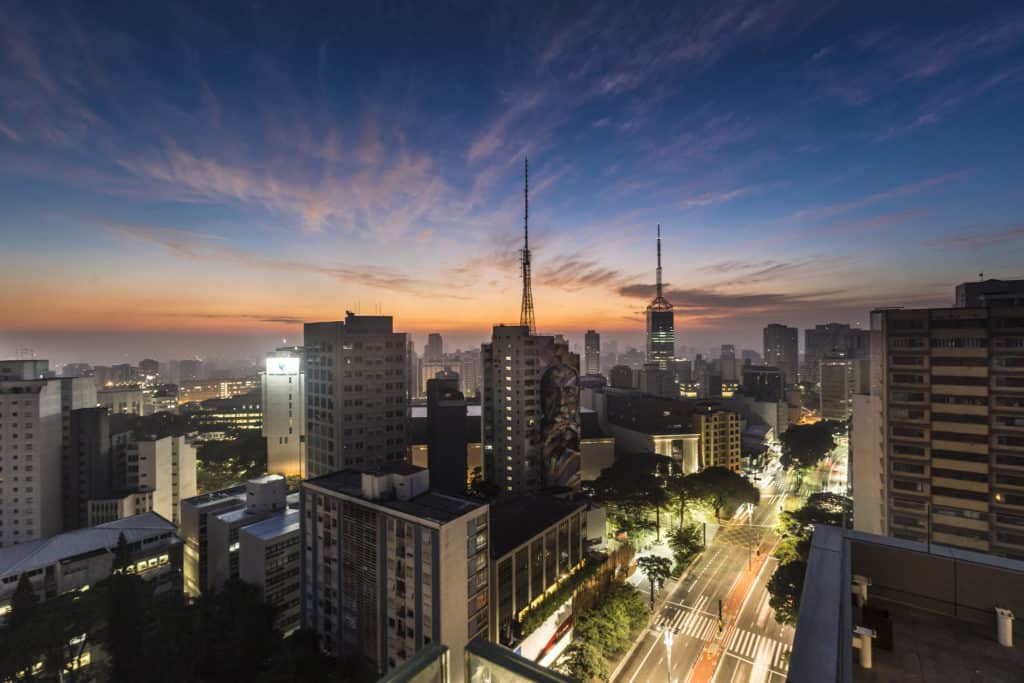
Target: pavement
point(747, 645)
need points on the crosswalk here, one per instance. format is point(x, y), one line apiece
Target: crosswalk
point(776, 499)
point(753, 646)
point(689, 620)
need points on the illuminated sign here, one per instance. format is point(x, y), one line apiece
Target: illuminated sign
point(283, 366)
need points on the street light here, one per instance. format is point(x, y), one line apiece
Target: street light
point(668, 653)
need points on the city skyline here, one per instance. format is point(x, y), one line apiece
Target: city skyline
point(200, 182)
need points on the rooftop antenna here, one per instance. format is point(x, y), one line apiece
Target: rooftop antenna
point(526, 316)
point(659, 262)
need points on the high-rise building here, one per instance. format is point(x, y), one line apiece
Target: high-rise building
point(944, 427)
point(167, 468)
point(31, 437)
point(764, 383)
point(196, 513)
point(828, 339)
point(88, 467)
point(990, 293)
point(661, 336)
point(621, 377)
point(355, 393)
point(446, 435)
point(720, 440)
point(781, 349)
point(433, 352)
point(149, 368)
point(530, 410)
point(729, 365)
point(592, 353)
point(391, 566)
point(284, 412)
point(412, 371)
point(469, 369)
point(75, 393)
point(269, 557)
point(837, 375)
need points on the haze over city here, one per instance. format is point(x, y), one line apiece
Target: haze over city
point(200, 180)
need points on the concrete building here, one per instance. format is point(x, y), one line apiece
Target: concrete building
point(536, 543)
point(122, 399)
point(661, 330)
point(197, 391)
point(470, 368)
point(283, 402)
point(390, 567)
point(764, 383)
point(641, 423)
point(447, 437)
point(530, 407)
point(621, 377)
point(167, 468)
point(990, 293)
point(866, 469)
point(355, 393)
point(781, 349)
point(592, 353)
point(88, 467)
point(719, 430)
point(265, 497)
point(269, 557)
point(948, 394)
point(837, 377)
point(118, 506)
point(654, 380)
point(875, 608)
point(597, 448)
point(76, 560)
point(826, 340)
point(433, 352)
point(196, 513)
point(31, 441)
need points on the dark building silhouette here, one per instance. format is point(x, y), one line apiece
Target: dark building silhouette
point(661, 336)
point(764, 383)
point(781, 349)
point(621, 377)
point(447, 436)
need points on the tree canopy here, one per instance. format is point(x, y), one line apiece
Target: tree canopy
point(656, 569)
point(635, 486)
point(806, 445)
point(722, 489)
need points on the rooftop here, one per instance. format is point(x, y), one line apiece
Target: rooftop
point(275, 526)
point(432, 505)
point(44, 552)
point(515, 521)
point(216, 496)
point(932, 609)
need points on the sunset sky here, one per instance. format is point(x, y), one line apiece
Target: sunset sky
point(201, 180)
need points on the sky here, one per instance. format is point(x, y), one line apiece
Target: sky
point(201, 179)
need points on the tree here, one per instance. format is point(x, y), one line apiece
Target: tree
point(584, 662)
point(805, 445)
point(826, 508)
point(656, 569)
point(685, 542)
point(722, 489)
point(679, 490)
point(635, 486)
point(785, 587)
point(23, 603)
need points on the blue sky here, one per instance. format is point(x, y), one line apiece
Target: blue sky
point(200, 179)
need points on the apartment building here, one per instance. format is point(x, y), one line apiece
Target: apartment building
point(720, 439)
point(390, 566)
point(355, 393)
point(947, 398)
point(530, 409)
point(167, 468)
point(269, 557)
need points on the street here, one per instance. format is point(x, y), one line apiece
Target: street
point(734, 569)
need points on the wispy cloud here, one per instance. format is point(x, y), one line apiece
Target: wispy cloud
point(978, 240)
point(204, 247)
point(709, 198)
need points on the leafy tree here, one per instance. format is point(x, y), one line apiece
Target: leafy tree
point(826, 508)
point(685, 542)
point(635, 486)
point(584, 662)
point(656, 569)
point(785, 587)
point(23, 603)
point(679, 490)
point(482, 488)
point(805, 445)
point(722, 489)
point(612, 625)
point(234, 635)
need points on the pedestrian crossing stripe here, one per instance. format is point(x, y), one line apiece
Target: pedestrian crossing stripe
point(750, 646)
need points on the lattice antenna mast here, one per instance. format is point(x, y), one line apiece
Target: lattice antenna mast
point(659, 262)
point(526, 316)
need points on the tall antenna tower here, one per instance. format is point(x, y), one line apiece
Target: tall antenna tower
point(526, 316)
point(659, 261)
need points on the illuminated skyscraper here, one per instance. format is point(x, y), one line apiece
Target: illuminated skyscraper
point(661, 336)
point(592, 352)
point(284, 412)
